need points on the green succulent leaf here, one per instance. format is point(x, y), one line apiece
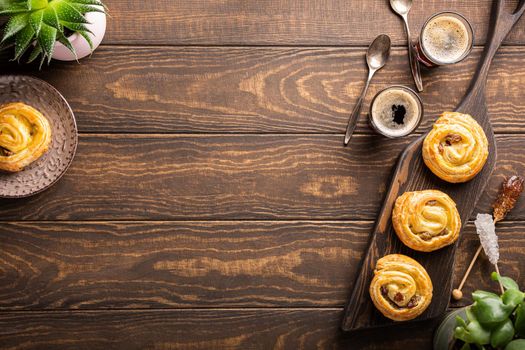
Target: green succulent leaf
point(15, 25)
point(474, 333)
point(75, 27)
point(518, 344)
point(68, 13)
point(10, 7)
point(88, 2)
point(512, 297)
point(38, 4)
point(519, 323)
point(507, 282)
point(37, 51)
point(35, 20)
point(50, 18)
point(460, 322)
point(481, 294)
point(490, 311)
point(87, 8)
point(62, 39)
point(502, 334)
point(86, 36)
point(23, 40)
point(47, 39)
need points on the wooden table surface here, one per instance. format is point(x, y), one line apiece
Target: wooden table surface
point(211, 204)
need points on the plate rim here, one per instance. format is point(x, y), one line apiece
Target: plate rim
point(75, 129)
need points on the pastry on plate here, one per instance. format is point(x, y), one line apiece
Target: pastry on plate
point(426, 220)
point(401, 288)
point(456, 148)
point(25, 135)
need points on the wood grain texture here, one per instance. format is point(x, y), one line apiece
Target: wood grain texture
point(197, 329)
point(278, 22)
point(222, 177)
point(260, 90)
point(101, 265)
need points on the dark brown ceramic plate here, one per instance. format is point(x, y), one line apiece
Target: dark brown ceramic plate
point(47, 170)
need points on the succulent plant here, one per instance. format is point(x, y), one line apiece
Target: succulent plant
point(494, 321)
point(39, 24)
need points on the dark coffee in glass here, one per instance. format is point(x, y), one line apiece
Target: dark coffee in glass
point(446, 38)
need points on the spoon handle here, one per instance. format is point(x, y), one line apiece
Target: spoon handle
point(414, 63)
point(352, 121)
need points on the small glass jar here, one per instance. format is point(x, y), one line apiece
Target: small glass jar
point(395, 111)
point(446, 38)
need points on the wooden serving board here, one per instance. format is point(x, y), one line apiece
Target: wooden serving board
point(411, 174)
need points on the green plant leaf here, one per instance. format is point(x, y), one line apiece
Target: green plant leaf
point(88, 2)
point(23, 40)
point(519, 322)
point(35, 19)
point(62, 39)
point(9, 7)
point(38, 4)
point(481, 294)
point(76, 27)
point(518, 344)
point(86, 36)
point(512, 297)
point(460, 322)
point(37, 51)
point(51, 19)
point(502, 334)
point(474, 333)
point(15, 25)
point(507, 282)
point(491, 311)
point(470, 315)
point(47, 39)
point(88, 8)
point(7, 44)
point(68, 13)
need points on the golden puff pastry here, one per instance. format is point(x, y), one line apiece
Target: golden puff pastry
point(401, 288)
point(25, 135)
point(456, 148)
point(426, 220)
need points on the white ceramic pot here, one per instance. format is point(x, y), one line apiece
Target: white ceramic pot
point(97, 24)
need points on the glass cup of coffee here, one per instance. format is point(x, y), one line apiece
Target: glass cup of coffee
point(395, 111)
point(446, 38)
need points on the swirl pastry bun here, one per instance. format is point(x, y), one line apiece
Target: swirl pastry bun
point(401, 288)
point(25, 135)
point(426, 220)
point(456, 148)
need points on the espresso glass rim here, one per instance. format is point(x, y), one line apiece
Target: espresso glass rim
point(469, 28)
point(413, 93)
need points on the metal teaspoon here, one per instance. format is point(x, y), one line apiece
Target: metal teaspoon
point(376, 57)
point(402, 8)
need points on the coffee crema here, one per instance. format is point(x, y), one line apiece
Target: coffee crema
point(396, 111)
point(446, 38)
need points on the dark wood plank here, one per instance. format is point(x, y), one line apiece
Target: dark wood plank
point(193, 264)
point(260, 90)
point(278, 22)
point(198, 329)
point(130, 177)
point(100, 265)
